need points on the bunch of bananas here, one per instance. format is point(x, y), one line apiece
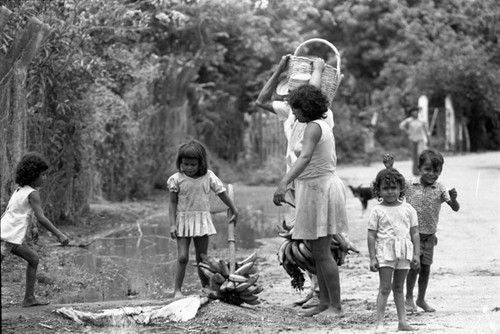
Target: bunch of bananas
point(234, 288)
point(294, 255)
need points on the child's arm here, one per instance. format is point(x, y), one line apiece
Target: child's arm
point(229, 202)
point(172, 214)
point(415, 239)
point(453, 203)
point(404, 124)
point(312, 135)
point(36, 204)
point(372, 236)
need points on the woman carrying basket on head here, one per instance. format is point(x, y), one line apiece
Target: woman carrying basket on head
point(320, 194)
point(273, 98)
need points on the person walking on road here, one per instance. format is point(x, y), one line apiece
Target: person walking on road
point(418, 135)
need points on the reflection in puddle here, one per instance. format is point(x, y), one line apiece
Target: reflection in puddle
point(128, 265)
point(139, 261)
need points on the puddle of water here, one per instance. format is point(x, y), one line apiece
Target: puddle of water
point(134, 265)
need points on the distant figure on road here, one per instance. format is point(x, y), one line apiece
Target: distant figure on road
point(418, 135)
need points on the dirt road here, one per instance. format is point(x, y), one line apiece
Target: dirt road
point(465, 282)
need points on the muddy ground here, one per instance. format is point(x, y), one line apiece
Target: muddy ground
point(464, 286)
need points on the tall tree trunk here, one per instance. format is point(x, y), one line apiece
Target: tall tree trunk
point(13, 104)
point(171, 125)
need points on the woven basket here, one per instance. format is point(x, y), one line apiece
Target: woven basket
point(331, 77)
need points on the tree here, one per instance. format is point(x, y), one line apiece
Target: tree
point(13, 106)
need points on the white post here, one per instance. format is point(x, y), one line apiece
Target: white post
point(450, 124)
point(423, 104)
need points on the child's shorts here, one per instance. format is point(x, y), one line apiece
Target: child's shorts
point(427, 243)
point(8, 247)
point(397, 264)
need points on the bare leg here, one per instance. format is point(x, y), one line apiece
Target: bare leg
point(423, 280)
point(201, 247)
point(182, 260)
point(328, 278)
point(399, 299)
point(384, 290)
point(411, 279)
point(32, 258)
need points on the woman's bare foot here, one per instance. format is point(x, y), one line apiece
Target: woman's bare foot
point(410, 306)
point(316, 310)
point(331, 312)
point(405, 327)
point(424, 306)
point(178, 294)
point(29, 302)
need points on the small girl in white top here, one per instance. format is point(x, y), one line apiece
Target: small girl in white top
point(393, 243)
point(30, 175)
point(189, 207)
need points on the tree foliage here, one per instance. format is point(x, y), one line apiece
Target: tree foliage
point(399, 50)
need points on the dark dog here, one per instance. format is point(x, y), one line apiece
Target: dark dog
point(364, 193)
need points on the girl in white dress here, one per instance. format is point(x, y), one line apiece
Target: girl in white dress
point(393, 243)
point(25, 201)
point(189, 207)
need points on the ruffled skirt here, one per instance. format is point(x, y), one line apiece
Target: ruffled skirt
point(394, 249)
point(320, 207)
point(195, 224)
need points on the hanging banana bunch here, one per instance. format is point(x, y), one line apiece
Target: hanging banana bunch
point(294, 255)
point(236, 288)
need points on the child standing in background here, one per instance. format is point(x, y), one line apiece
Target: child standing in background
point(393, 242)
point(426, 195)
point(189, 207)
point(418, 135)
point(30, 175)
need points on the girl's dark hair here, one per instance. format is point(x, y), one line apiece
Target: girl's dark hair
point(193, 149)
point(435, 158)
point(310, 100)
point(31, 166)
point(390, 175)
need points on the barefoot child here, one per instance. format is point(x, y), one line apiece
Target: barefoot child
point(30, 175)
point(393, 242)
point(189, 207)
point(426, 195)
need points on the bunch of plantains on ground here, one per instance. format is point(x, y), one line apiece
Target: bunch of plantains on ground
point(295, 255)
point(233, 288)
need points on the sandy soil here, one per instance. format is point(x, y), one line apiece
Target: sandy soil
point(464, 286)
